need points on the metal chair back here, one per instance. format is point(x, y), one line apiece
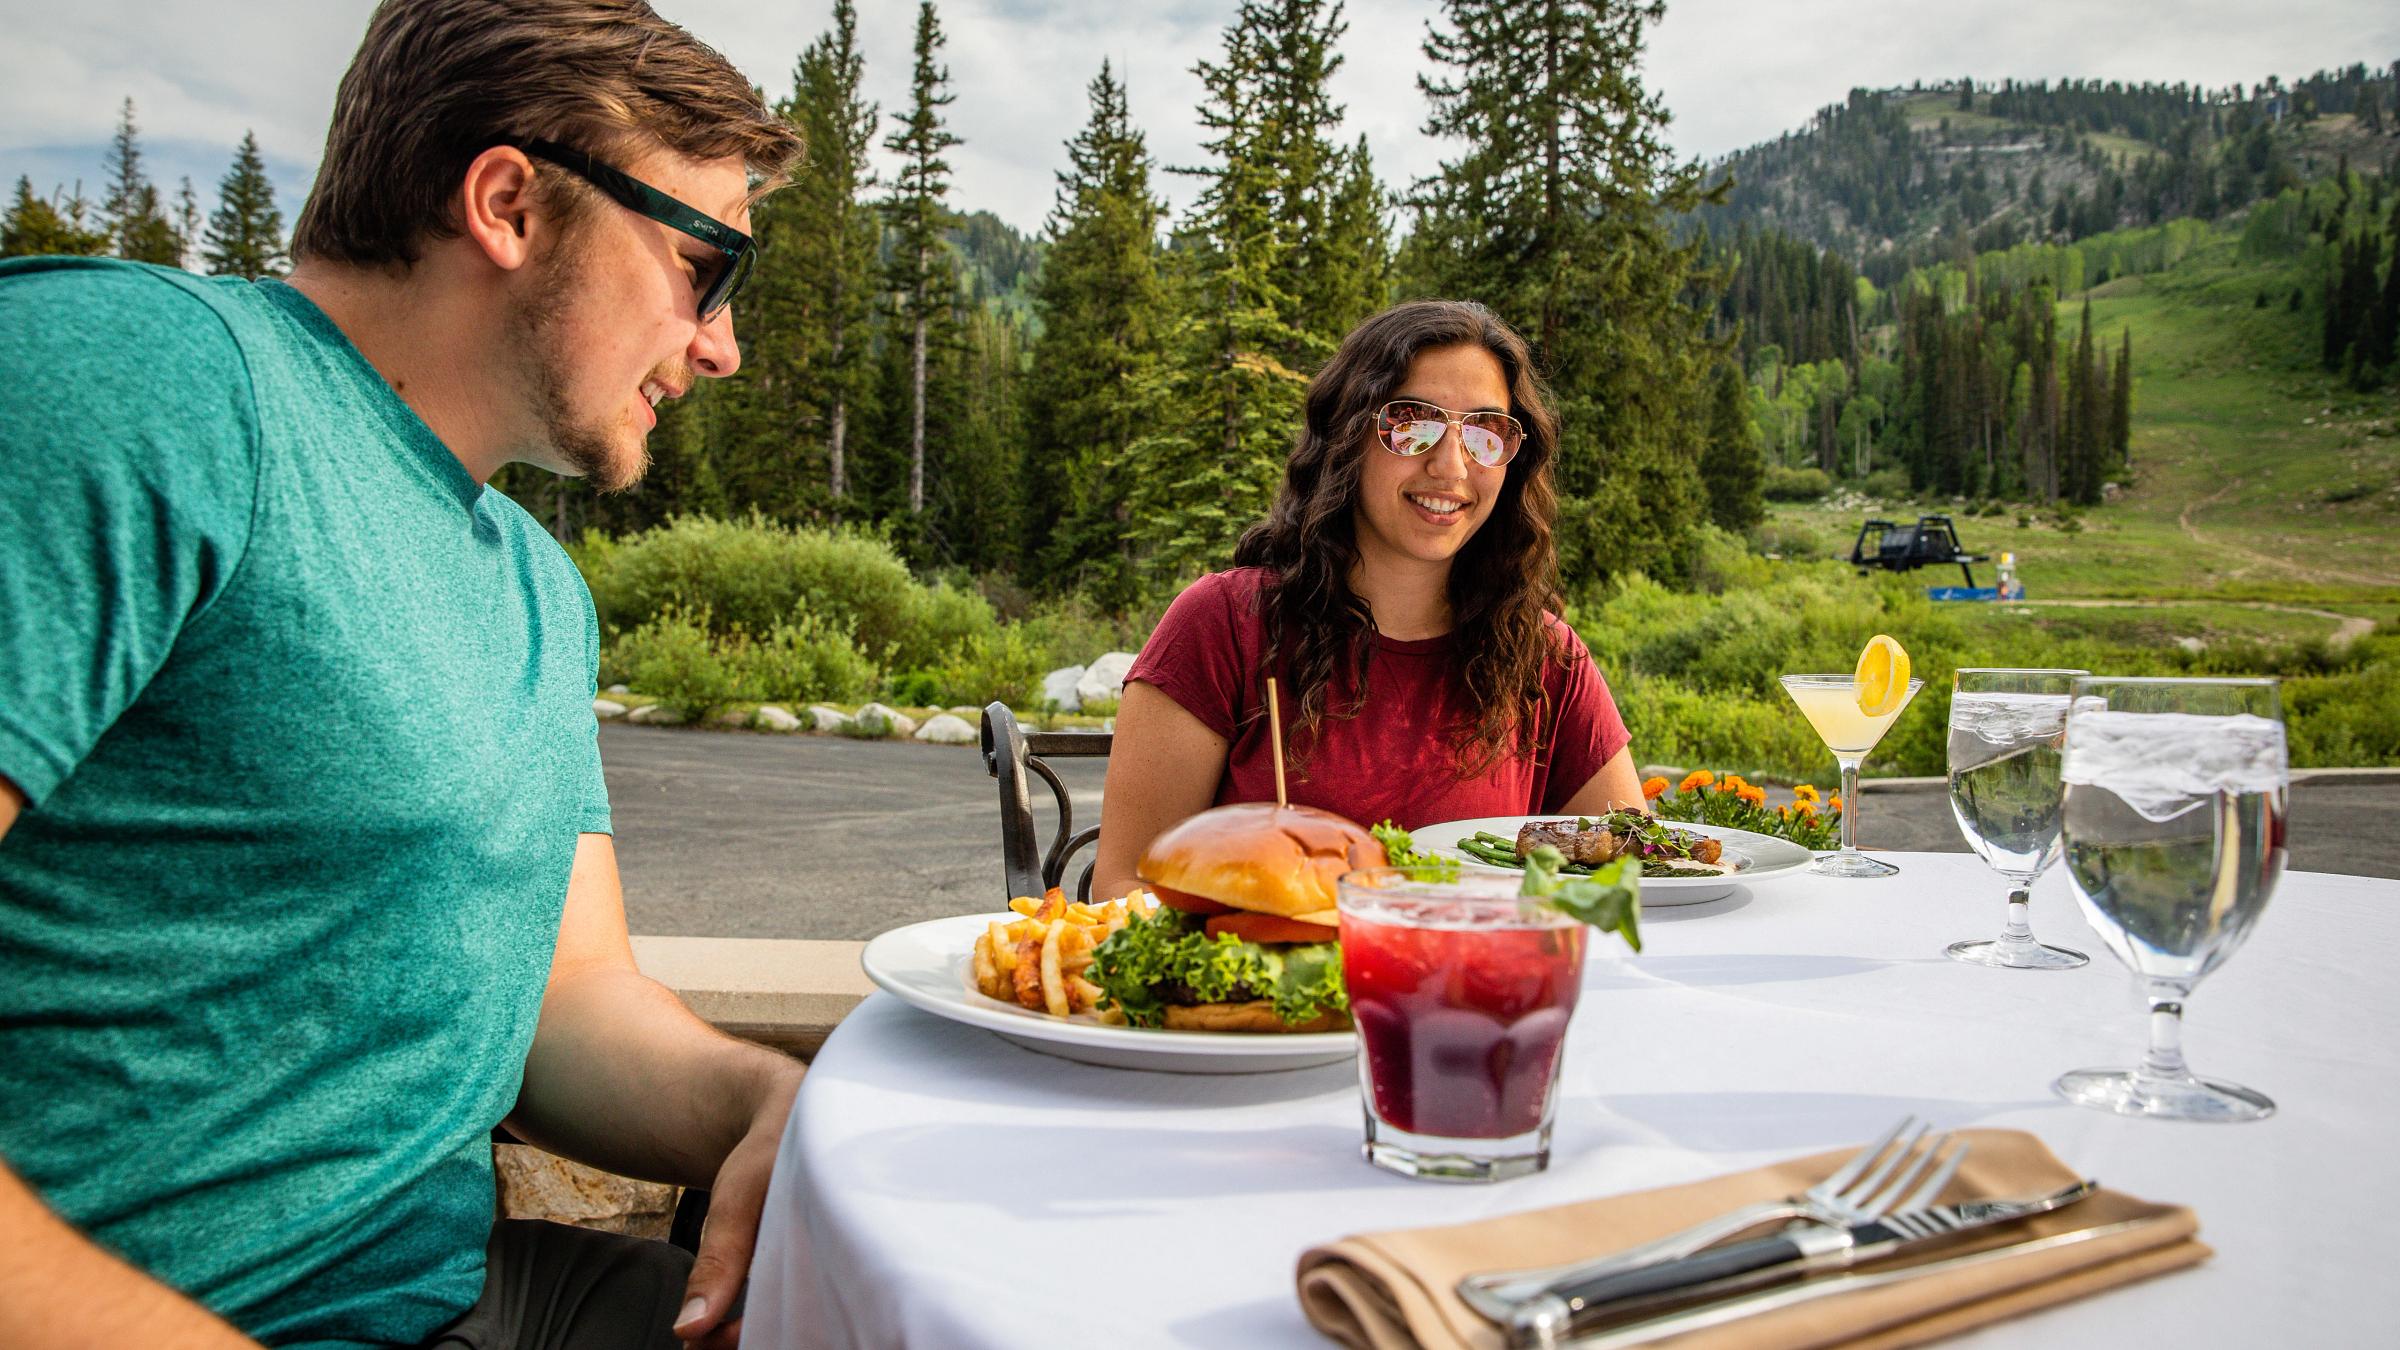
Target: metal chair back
point(1015, 757)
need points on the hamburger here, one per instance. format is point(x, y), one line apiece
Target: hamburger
point(1244, 934)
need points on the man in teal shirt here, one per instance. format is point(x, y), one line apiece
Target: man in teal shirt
point(306, 878)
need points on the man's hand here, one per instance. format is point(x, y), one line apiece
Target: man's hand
point(735, 1202)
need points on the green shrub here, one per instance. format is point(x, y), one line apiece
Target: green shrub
point(1886, 483)
point(914, 688)
point(753, 575)
point(1001, 665)
point(1795, 485)
point(935, 622)
point(800, 662)
point(1071, 631)
point(674, 659)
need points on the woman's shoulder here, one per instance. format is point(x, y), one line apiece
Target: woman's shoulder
point(1566, 644)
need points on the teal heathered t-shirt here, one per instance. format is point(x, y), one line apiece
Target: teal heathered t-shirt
point(303, 714)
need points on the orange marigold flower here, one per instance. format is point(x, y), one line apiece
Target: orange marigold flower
point(1752, 795)
point(1836, 803)
point(1697, 778)
point(1653, 789)
point(1806, 792)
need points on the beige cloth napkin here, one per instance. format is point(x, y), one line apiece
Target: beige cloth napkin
point(1397, 1290)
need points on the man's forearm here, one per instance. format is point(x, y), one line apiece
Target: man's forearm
point(57, 1287)
point(624, 1077)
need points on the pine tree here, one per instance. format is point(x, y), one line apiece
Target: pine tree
point(34, 226)
point(148, 236)
point(187, 224)
point(1729, 464)
point(2120, 411)
point(920, 266)
point(834, 233)
point(1325, 201)
point(1226, 403)
point(130, 213)
point(245, 232)
point(1559, 216)
point(1102, 305)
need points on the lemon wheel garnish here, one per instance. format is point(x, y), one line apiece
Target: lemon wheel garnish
point(1882, 676)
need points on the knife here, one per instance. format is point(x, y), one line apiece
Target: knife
point(1566, 1308)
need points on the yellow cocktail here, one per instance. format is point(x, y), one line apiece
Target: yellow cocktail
point(1851, 713)
point(1830, 703)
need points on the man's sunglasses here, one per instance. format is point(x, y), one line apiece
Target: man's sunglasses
point(717, 286)
point(1412, 428)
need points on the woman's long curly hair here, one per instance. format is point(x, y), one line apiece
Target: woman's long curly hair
point(1500, 582)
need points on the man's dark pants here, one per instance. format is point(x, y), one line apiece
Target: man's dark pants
point(548, 1286)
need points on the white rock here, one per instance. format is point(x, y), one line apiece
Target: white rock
point(875, 719)
point(732, 717)
point(2192, 644)
point(2109, 492)
point(944, 729)
point(618, 689)
point(1104, 678)
point(605, 708)
point(772, 718)
point(1059, 687)
point(656, 715)
point(971, 714)
point(825, 718)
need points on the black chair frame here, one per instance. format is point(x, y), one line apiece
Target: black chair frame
point(1016, 757)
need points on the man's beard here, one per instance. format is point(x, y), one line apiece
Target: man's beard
point(581, 448)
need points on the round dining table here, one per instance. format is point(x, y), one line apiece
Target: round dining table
point(939, 1186)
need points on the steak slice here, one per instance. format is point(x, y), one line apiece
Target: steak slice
point(1590, 847)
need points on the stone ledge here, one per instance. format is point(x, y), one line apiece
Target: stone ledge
point(780, 992)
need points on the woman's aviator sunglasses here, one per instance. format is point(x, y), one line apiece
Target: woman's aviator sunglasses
point(1409, 427)
point(718, 285)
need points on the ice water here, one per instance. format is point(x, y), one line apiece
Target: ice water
point(2174, 830)
point(2004, 777)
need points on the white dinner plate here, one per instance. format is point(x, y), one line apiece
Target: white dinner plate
point(1756, 857)
point(925, 965)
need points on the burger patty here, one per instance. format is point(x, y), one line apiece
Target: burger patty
point(1177, 994)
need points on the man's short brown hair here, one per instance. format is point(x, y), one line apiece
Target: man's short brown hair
point(438, 82)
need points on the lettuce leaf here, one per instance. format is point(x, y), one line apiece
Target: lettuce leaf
point(1301, 980)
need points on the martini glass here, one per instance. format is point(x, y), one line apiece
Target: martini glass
point(1830, 703)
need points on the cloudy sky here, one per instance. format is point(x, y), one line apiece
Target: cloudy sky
point(1733, 72)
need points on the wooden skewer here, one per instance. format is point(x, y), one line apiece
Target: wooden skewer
point(1275, 740)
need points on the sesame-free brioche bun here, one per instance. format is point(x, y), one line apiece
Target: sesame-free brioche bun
point(1268, 859)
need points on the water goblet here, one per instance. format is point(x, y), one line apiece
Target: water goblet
point(2006, 729)
point(2173, 822)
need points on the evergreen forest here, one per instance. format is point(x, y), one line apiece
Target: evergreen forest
point(1910, 296)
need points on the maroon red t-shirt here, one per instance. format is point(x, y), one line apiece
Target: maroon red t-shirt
point(1392, 761)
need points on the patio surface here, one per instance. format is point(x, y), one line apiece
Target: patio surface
point(727, 834)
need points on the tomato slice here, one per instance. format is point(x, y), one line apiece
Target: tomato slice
point(1189, 904)
point(1268, 928)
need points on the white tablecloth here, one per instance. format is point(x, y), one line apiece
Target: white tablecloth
point(940, 1187)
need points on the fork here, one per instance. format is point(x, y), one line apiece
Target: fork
point(1874, 1182)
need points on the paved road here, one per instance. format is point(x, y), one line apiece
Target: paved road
point(733, 834)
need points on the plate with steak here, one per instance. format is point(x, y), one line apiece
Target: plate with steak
point(1682, 863)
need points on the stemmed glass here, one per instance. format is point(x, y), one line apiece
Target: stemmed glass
point(2005, 731)
point(2173, 818)
point(1830, 703)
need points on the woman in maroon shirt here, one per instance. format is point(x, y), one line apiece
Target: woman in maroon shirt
point(1401, 593)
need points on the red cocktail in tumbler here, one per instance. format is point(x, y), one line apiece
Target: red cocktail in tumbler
point(1461, 992)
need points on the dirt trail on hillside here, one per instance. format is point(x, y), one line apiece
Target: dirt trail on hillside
point(2304, 571)
point(2348, 628)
